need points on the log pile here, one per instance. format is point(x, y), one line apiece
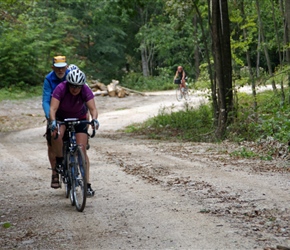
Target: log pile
point(113, 89)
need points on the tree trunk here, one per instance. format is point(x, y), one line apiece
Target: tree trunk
point(144, 59)
point(143, 47)
point(252, 78)
point(207, 54)
point(196, 50)
point(279, 50)
point(222, 63)
point(265, 46)
point(287, 34)
point(287, 27)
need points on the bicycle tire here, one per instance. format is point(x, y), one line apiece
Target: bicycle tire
point(69, 190)
point(68, 175)
point(186, 95)
point(178, 94)
point(79, 180)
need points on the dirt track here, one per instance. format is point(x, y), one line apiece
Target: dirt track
point(149, 194)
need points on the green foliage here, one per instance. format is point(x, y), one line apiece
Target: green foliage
point(26, 48)
point(188, 124)
point(138, 82)
point(243, 153)
point(20, 91)
point(270, 120)
point(6, 224)
point(104, 37)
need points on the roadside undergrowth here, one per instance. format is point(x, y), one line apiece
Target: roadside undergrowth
point(269, 123)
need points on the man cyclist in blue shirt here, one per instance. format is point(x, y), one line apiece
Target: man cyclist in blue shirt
point(55, 77)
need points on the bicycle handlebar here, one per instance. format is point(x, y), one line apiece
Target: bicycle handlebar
point(74, 121)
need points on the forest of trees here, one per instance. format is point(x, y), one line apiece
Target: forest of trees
point(219, 41)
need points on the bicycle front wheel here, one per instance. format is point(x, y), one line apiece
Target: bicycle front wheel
point(79, 180)
point(178, 94)
point(186, 94)
point(68, 191)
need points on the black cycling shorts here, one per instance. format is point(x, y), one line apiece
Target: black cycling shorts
point(177, 81)
point(80, 128)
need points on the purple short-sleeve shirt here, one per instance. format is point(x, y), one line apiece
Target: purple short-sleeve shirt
point(72, 106)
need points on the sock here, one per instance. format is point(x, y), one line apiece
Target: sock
point(59, 160)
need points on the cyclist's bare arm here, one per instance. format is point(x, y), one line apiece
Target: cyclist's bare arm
point(54, 104)
point(92, 108)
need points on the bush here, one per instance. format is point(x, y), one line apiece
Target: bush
point(20, 91)
point(189, 124)
point(138, 82)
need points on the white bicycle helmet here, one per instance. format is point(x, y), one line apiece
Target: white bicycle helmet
point(72, 67)
point(76, 77)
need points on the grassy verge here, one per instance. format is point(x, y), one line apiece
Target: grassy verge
point(271, 119)
point(189, 125)
point(20, 92)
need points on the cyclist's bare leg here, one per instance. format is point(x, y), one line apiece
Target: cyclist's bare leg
point(54, 174)
point(57, 143)
point(88, 118)
point(82, 140)
point(183, 85)
point(88, 168)
point(51, 158)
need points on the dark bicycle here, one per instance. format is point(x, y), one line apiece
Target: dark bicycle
point(74, 172)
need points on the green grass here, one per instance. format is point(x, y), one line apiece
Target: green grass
point(244, 153)
point(138, 82)
point(189, 124)
point(271, 119)
point(20, 92)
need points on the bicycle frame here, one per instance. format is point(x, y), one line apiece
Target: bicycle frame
point(74, 164)
point(182, 94)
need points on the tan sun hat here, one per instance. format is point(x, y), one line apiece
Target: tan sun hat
point(59, 61)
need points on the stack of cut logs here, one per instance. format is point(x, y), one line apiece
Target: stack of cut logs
point(112, 89)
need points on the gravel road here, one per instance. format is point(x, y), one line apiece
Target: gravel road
point(149, 194)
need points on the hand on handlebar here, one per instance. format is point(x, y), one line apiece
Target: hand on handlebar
point(53, 125)
point(95, 124)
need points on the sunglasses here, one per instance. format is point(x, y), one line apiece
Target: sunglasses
point(75, 86)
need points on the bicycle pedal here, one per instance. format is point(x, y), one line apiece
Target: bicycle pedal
point(59, 169)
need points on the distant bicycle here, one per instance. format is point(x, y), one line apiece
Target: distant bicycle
point(182, 93)
point(74, 173)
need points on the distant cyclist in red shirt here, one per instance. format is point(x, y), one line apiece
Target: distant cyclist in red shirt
point(71, 99)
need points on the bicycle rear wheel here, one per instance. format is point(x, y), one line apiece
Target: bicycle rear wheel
point(79, 180)
point(178, 94)
point(65, 177)
point(68, 178)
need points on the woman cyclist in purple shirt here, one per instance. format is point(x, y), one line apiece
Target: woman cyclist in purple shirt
point(71, 99)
